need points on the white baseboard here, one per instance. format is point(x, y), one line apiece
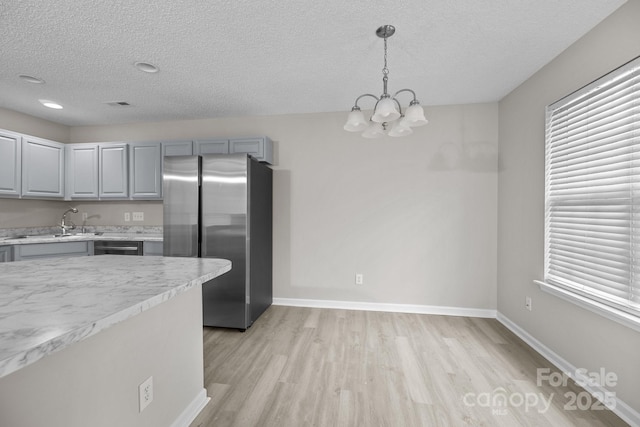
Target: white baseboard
point(192, 410)
point(396, 308)
point(624, 411)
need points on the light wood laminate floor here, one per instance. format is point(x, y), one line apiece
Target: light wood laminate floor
point(321, 367)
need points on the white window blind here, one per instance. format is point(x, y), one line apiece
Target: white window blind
point(592, 183)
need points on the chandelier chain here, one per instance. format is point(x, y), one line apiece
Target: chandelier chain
point(385, 70)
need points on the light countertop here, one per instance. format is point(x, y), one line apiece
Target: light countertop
point(50, 238)
point(47, 305)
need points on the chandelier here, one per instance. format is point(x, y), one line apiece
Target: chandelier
point(387, 117)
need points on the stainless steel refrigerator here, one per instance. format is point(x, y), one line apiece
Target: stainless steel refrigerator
point(220, 206)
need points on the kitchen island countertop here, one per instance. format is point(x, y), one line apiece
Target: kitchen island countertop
point(47, 305)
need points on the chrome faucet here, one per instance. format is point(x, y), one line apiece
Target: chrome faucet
point(63, 223)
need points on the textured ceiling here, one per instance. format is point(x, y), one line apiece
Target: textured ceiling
point(240, 58)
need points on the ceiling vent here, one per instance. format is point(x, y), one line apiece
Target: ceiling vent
point(119, 104)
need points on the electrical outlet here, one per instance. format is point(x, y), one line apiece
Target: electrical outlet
point(127, 217)
point(138, 216)
point(359, 279)
point(145, 393)
point(527, 303)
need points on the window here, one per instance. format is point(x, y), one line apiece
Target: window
point(592, 193)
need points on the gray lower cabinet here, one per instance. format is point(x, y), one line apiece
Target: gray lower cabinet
point(113, 182)
point(6, 253)
point(152, 248)
point(52, 250)
point(10, 164)
point(42, 168)
point(145, 170)
point(81, 171)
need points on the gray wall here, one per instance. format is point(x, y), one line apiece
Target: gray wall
point(584, 339)
point(18, 213)
point(18, 122)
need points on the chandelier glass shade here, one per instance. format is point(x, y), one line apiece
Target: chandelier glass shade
point(388, 117)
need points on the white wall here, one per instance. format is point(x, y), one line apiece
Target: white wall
point(415, 215)
point(584, 339)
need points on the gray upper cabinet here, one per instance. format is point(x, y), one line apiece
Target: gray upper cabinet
point(33, 167)
point(145, 170)
point(42, 168)
point(10, 164)
point(177, 148)
point(211, 146)
point(260, 148)
point(113, 180)
point(81, 171)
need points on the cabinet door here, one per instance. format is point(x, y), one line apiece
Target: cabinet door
point(42, 168)
point(152, 248)
point(260, 148)
point(177, 148)
point(52, 250)
point(145, 175)
point(82, 171)
point(211, 146)
point(113, 172)
point(5, 254)
point(10, 164)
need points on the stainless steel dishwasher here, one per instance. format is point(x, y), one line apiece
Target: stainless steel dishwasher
point(117, 247)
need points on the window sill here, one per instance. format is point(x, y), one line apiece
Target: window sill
point(619, 316)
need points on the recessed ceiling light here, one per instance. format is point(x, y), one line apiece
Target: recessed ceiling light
point(31, 79)
point(50, 104)
point(146, 67)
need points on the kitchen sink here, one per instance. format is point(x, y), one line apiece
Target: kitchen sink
point(37, 236)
